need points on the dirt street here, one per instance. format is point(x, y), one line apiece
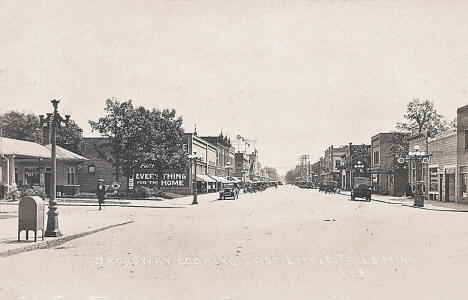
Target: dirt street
point(280, 244)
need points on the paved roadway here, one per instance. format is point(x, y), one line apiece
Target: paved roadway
point(280, 244)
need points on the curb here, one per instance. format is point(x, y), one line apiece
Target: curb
point(411, 206)
point(56, 242)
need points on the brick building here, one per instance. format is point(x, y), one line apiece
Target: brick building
point(440, 173)
point(224, 153)
point(353, 154)
point(241, 165)
point(97, 167)
point(462, 154)
point(332, 163)
point(316, 171)
point(387, 176)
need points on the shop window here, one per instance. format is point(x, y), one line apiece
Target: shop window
point(433, 180)
point(71, 175)
point(91, 169)
point(31, 176)
point(463, 179)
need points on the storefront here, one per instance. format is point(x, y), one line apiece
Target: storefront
point(27, 164)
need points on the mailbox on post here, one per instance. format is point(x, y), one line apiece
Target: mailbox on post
point(31, 216)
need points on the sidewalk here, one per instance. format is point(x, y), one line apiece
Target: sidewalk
point(405, 201)
point(79, 217)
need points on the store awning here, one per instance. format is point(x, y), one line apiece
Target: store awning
point(235, 180)
point(205, 178)
point(26, 149)
point(219, 179)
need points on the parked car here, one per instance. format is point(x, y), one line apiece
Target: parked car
point(331, 186)
point(322, 187)
point(229, 190)
point(362, 188)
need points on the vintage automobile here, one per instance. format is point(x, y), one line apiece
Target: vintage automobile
point(331, 186)
point(229, 190)
point(322, 187)
point(362, 188)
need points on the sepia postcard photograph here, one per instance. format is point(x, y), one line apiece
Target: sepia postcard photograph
point(233, 149)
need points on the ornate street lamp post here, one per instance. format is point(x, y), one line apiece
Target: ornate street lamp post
point(53, 120)
point(417, 157)
point(194, 158)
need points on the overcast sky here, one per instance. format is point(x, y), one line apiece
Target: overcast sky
point(297, 76)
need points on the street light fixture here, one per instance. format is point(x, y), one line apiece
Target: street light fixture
point(417, 156)
point(53, 120)
point(194, 158)
point(228, 167)
point(244, 171)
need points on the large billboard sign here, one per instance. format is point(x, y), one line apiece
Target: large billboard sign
point(147, 175)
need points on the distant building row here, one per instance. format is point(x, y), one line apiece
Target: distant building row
point(443, 170)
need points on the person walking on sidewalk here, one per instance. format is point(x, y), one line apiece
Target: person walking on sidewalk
point(101, 192)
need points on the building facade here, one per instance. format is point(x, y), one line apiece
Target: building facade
point(462, 154)
point(224, 153)
point(28, 164)
point(354, 154)
point(214, 154)
point(242, 166)
point(388, 177)
point(333, 163)
point(439, 171)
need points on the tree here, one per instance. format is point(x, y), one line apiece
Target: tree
point(21, 126)
point(272, 173)
point(70, 137)
point(453, 124)
point(159, 141)
point(116, 126)
point(26, 127)
point(400, 144)
point(361, 154)
point(422, 116)
point(291, 175)
point(137, 135)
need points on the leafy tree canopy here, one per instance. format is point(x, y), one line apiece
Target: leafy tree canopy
point(21, 126)
point(137, 135)
point(272, 173)
point(26, 127)
point(421, 116)
point(291, 175)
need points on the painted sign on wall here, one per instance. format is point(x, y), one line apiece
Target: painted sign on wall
point(148, 176)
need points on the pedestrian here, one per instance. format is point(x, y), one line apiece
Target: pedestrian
point(101, 191)
point(409, 192)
